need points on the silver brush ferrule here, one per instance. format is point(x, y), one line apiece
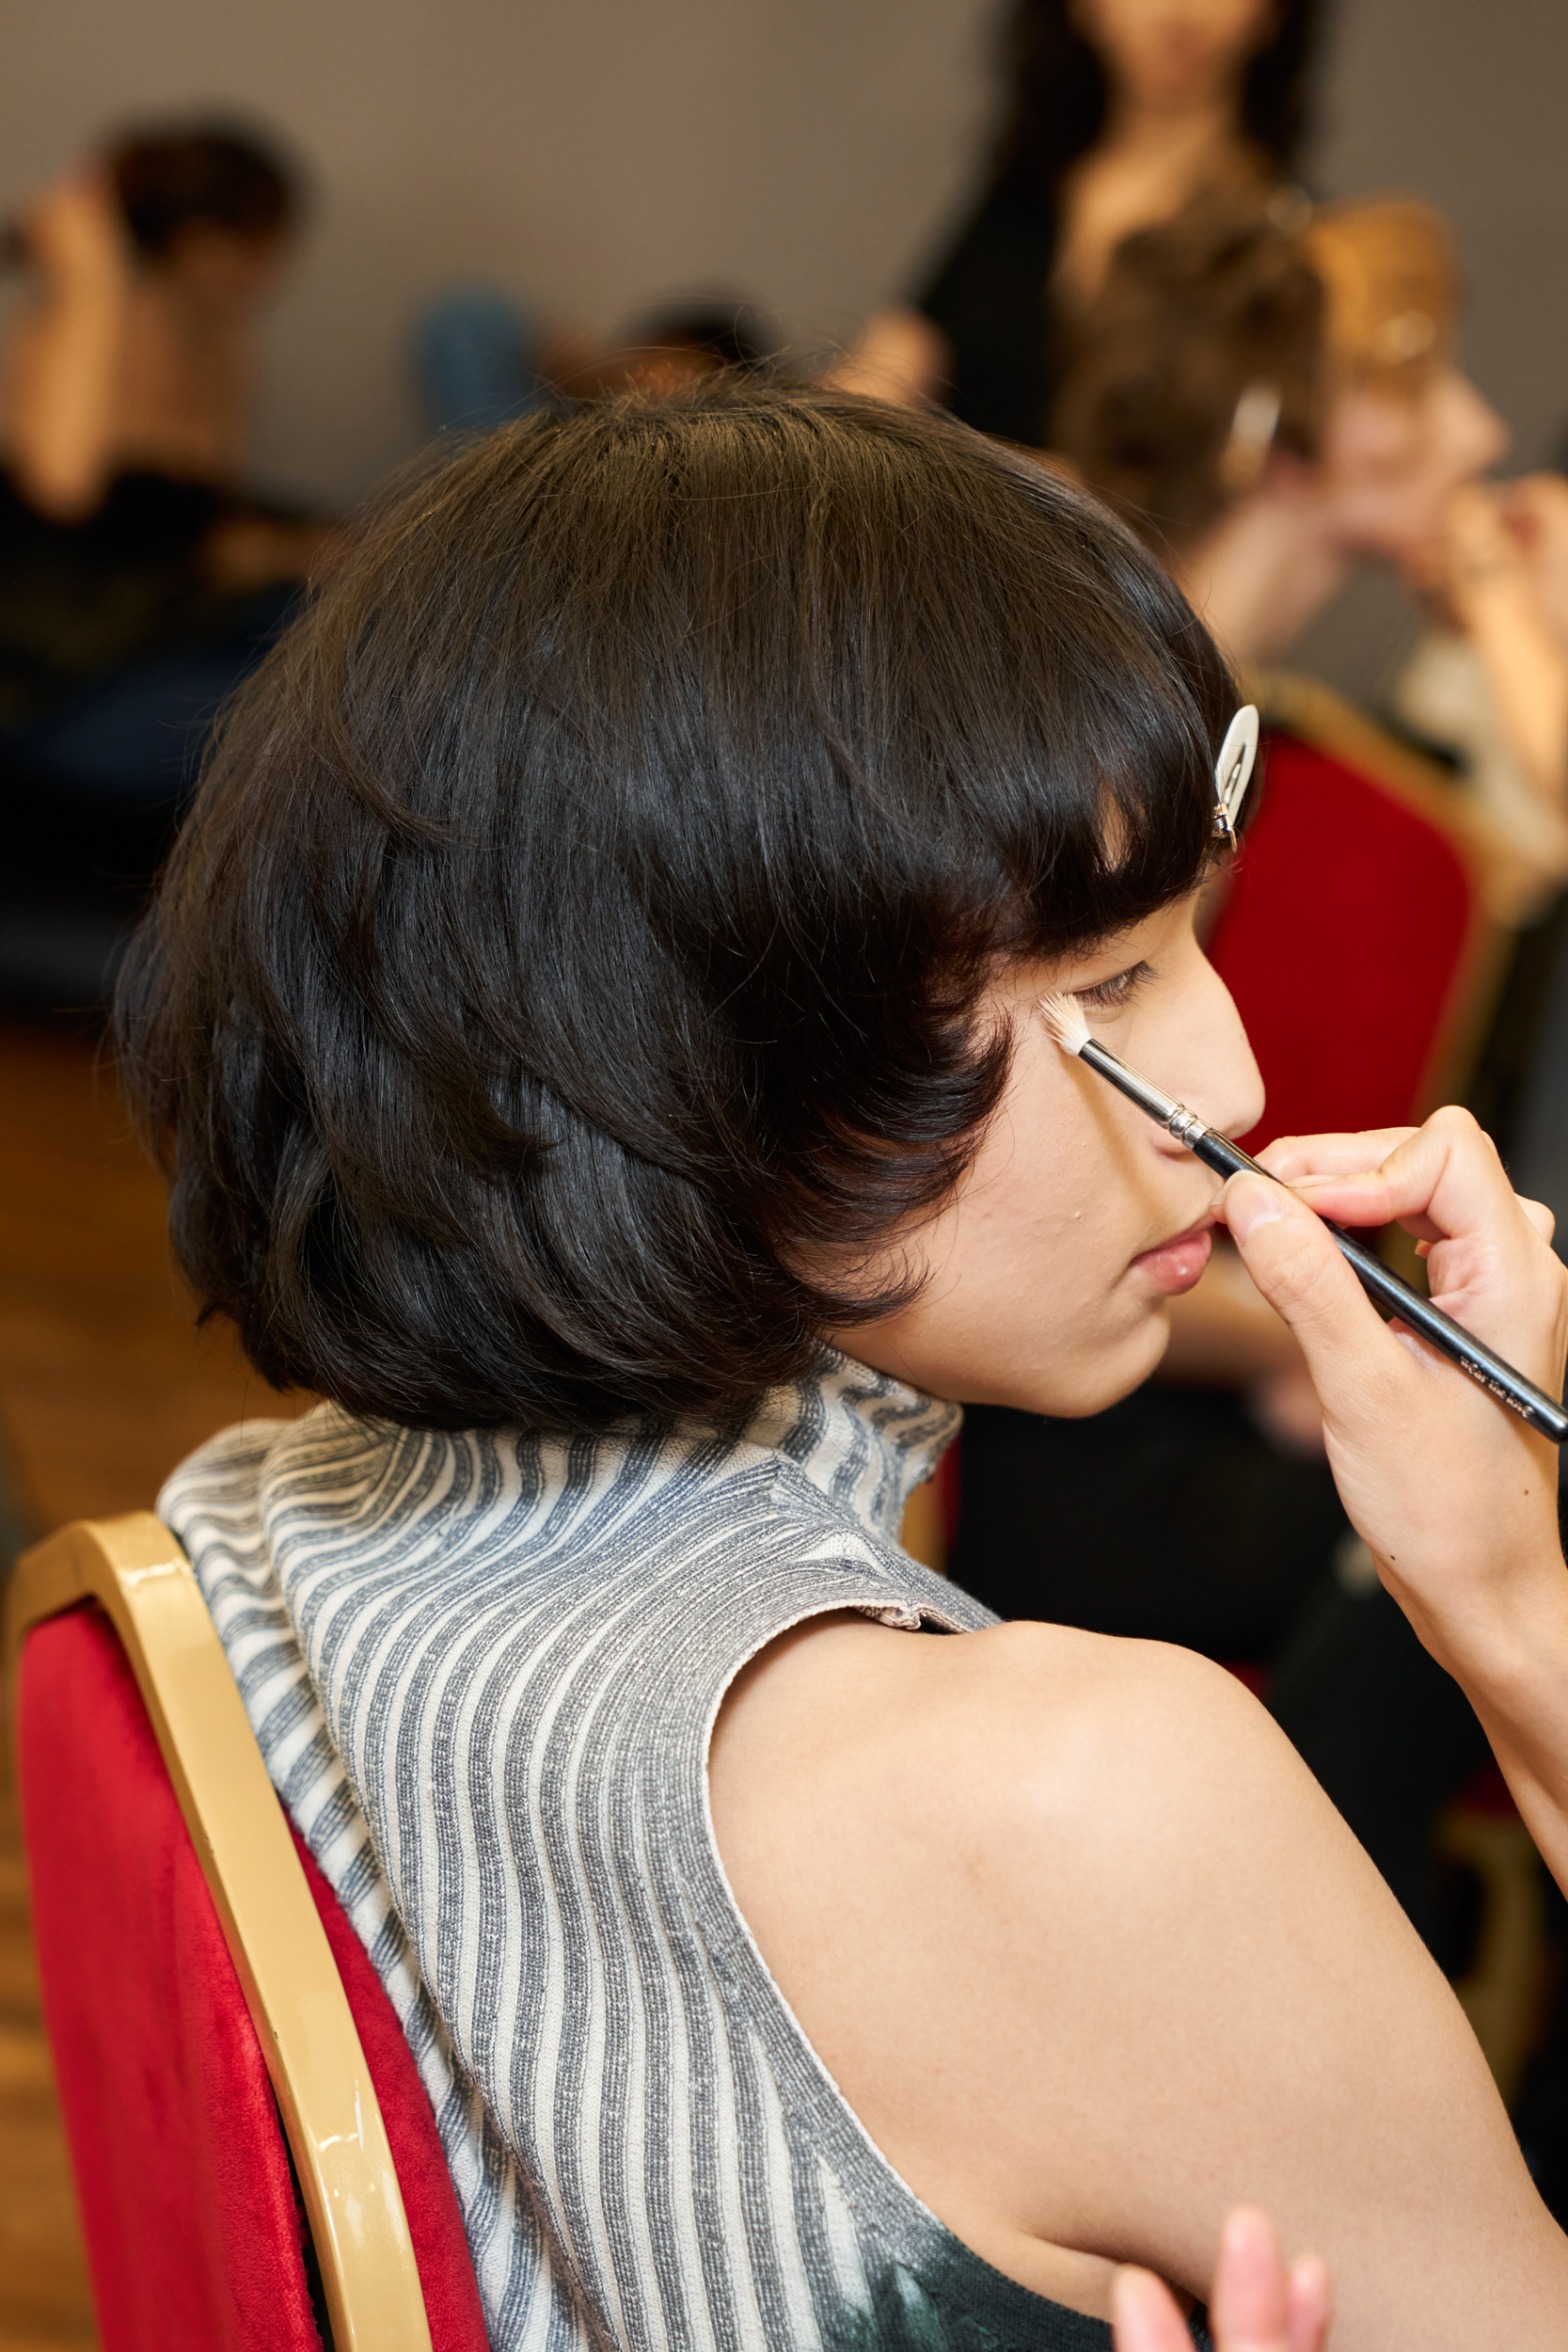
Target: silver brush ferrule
point(1186, 1127)
point(1139, 1089)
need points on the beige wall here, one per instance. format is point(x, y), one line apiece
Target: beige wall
point(803, 152)
point(600, 153)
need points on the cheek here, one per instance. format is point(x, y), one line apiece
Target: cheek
point(1044, 1214)
point(1041, 1316)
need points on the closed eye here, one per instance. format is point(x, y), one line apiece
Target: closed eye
point(1109, 995)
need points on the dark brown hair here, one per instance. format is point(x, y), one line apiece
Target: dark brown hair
point(1192, 314)
point(576, 943)
point(1235, 296)
point(169, 177)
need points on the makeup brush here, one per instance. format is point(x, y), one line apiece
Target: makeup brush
point(1064, 1018)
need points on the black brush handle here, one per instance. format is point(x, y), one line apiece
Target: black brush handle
point(1390, 1290)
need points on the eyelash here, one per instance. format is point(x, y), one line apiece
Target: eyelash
point(1109, 995)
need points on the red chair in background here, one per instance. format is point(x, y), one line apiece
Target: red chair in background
point(1356, 933)
point(255, 2154)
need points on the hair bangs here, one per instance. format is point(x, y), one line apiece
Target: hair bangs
point(1036, 719)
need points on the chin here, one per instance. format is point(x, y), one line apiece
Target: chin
point(1090, 1383)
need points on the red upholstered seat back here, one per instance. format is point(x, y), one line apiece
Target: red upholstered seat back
point(451, 2302)
point(1343, 941)
point(194, 2238)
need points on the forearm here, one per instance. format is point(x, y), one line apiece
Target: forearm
point(1517, 1682)
point(1526, 674)
point(63, 382)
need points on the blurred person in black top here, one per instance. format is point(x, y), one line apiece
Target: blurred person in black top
point(1120, 114)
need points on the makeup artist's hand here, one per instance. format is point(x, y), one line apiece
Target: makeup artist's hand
point(1257, 2305)
point(1454, 1495)
point(1449, 1487)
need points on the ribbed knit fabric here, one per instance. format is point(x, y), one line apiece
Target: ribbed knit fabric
point(484, 1671)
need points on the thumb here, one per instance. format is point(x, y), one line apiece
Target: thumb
point(1291, 1257)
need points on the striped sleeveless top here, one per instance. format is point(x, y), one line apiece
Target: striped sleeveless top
point(484, 1670)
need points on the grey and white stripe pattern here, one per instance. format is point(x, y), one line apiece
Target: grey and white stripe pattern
point(484, 1670)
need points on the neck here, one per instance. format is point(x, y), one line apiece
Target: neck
point(1172, 128)
point(1265, 573)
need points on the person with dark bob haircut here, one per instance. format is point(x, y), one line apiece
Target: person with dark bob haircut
point(590, 1024)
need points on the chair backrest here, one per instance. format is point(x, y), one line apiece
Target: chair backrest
point(1356, 937)
point(220, 2035)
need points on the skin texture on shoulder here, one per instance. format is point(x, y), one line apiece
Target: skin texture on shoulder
point(1128, 1967)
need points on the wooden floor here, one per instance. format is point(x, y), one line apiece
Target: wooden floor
point(104, 1383)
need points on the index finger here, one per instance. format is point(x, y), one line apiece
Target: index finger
point(1143, 2317)
point(1447, 1183)
point(1291, 1157)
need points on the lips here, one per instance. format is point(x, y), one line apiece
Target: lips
point(1175, 1266)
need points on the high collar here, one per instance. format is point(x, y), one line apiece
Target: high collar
point(863, 1438)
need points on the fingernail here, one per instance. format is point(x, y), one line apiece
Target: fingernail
point(1251, 1201)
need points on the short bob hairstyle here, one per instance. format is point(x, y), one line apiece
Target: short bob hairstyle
point(572, 966)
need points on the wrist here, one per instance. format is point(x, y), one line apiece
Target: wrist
point(1507, 1648)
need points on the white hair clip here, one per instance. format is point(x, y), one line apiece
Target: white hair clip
point(1233, 769)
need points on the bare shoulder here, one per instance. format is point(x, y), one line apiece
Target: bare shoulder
point(1121, 1752)
point(1092, 1958)
point(1114, 1755)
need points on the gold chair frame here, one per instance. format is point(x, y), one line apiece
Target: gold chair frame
point(134, 1568)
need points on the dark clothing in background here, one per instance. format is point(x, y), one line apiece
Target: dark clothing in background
point(1167, 1519)
point(1170, 1518)
point(991, 299)
point(77, 600)
point(114, 647)
point(116, 653)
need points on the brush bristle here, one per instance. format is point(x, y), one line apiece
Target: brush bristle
point(1064, 1017)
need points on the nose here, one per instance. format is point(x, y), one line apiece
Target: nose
point(1227, 1089)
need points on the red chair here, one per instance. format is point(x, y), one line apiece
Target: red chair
point(255, 2154)
point(1355, 935)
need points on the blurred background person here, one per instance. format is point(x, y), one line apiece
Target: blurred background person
point(1282, 411)
point(482, 358)
point(135, 352)
point(140, 575)
point(1119, 113)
